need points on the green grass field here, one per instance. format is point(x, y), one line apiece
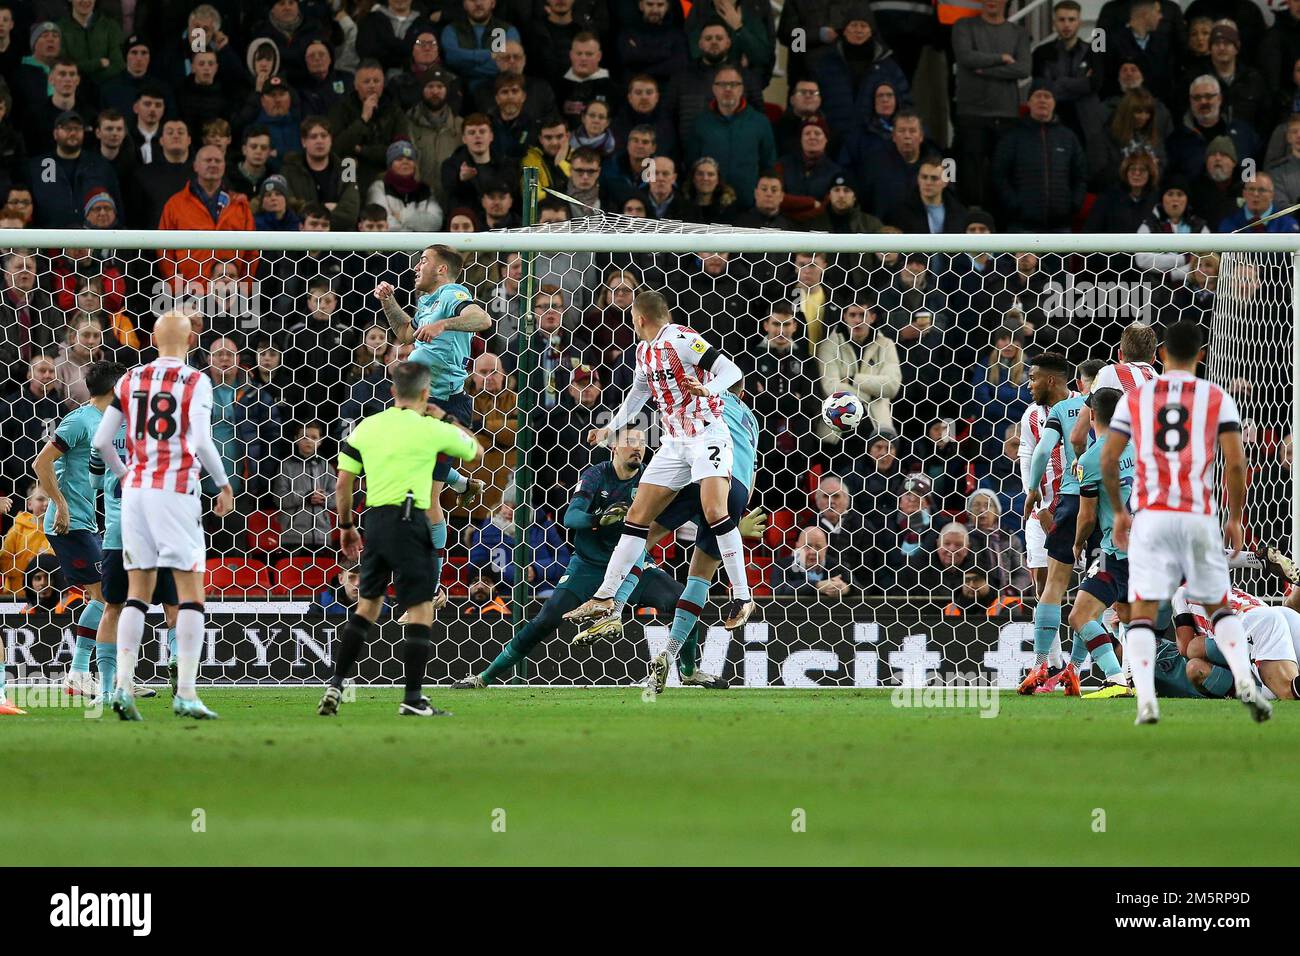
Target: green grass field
point(599, 777)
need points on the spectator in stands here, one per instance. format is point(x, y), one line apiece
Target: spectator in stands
point(803, 572)
point(1004, 559)
point(24, 540)
point(1133, 127)
point(66, 96)
point(1286, 171)
point(31, 82)
point(1073, 71)
point(271, 209)
point(203, 95)
point(435, 128)
point(929, 207)
point(609, 319)
point(93, 40)
point(644, 106)
point(586, 80)
point(805, 103)
point(156, 183)
point(503, 302)
point(749, 28)
point(110, 138)
point(908, 529)
point(120, 92)
point(305, 487)
point(714, 296)
point(366, 122)
point(586, 186)
point(941, 569)
point(341, 596)
point(708, 198)
point(316, 175)
point(29, 321)
point(1258, 204)
point(30, 415)
point(550, 156)
point(780, 386)
point(1215, 192)
point(1204, 123)
point(855, 356)
point(992, 56)
point(44, 584)
point(1001, 475)
point(255, 161)
point(936, 456)
point(119, 331)
point(849, 70)
point(574, 272)
point(558, 349)
point(841, 213)
point(662, 197)
point(807, 174)
point(18, 203)
point(230, 430)
point(203, 204)
point(551, 32)
point(268, 399)
point(768, 200)
point(833, 513)
point(319, 349)
point(1141, 42)
point(61, 179)
point(623, 172)
point(369, 387)
point(877, 479)
point(322, 85)
point(560, 451)
point(817, 29)
point(1245, 92)
point(491, 543)
point(410, 203)
point(512, 60)
point(884, 175)
point(912, 290)
point(1039, 169)
point(1124, 207)
point(467, 41)
point(734, 133)
point(384, 33)
point(83, 346)
point(494, 422)
point(1171, 216)
point(652, 44)
point(1001, 389)
point(149, 110)
point(512, 128)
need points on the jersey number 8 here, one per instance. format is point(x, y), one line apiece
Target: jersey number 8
point(1173, 428)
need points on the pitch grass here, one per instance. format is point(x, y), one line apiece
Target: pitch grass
point(698, 777)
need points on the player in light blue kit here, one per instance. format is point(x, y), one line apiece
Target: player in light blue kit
point(446, 320)
point(71, 522)
point(706, 557)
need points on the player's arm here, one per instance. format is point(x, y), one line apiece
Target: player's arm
point(350, 468)
point(471, 318)
point(1111, 452)
point(1047, 442)
point(1082, 428)
point(103, 440)
point(201, 429)
point(1086, 520)
point(635, 400)
point(1234, 484)
point(44, 468)
point(398, 320)
point(456, 441)
point(707, 358)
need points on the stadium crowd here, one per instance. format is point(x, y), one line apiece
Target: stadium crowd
point(307, 115)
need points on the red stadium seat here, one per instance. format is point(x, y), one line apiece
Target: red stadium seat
point(300, 577)
point(236, 577)
point(263, 531)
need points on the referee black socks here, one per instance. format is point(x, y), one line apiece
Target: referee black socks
point(348, 647)
point(417, 645)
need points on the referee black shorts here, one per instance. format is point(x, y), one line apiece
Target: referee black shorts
point(398, 550)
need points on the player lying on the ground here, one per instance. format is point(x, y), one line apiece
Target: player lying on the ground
point(396, 450)
point(446, 320)
point(595, 516)
point(1273, 634)
point(696, 450)
point(705, 556)
point(1048, 374)
point(166, 407)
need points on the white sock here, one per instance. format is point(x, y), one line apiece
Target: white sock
point(629, 548)
point(1231, 638)
point(1054, 656)
point(733, 559)
point(1121, 632)
point(1141, 651)
point(130, 631)
point(189, 644)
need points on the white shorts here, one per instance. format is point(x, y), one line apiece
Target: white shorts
point(161, 529)
point(1035, 544)
point(682, 461)
point(1292, 619)
point(1269, 634)
point(1167, 548)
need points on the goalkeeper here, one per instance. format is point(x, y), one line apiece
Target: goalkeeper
point(595, 515)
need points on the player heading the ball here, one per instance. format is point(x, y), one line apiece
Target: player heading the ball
point(686, 376)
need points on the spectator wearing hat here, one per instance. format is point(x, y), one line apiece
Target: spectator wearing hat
point(1141, 41)
point(1172, 215)
point(1039, 169)
point(59, 199)
point(807, 174)
point(1257, 204)
point(1205, 122)
point(468, 39)
point(100, 210)
point(93, 40)
point(316, 175)
point(366, 122)
point(1123, 207)
point(1245, 92)
point(121, 91)
point(273, 110)
point(410, 203)
point(31, 84)
point(992, 56)
point(841, 212)
point(272, 211)
point(735, 134)
point(930, 207)
point(291, 30)
point(497, 205)
point(849, 70)
point(384, 34)
point(204, 204)
point(1215, 193)
point(1244, 14)
point(435, 128)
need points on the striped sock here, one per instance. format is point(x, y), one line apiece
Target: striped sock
point(1098, 642)
point(171, 643)
point(689, 608)
point(86, 628)
point(1047, 626)
point(624, 592)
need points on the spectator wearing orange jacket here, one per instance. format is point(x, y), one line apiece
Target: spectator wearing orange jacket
point(204, 204)
point(24, 541)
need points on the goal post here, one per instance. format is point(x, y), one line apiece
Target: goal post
point(861, 575)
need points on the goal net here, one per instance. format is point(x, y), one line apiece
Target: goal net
point(894, 554)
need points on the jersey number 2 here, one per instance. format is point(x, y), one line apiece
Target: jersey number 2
point(156, 417)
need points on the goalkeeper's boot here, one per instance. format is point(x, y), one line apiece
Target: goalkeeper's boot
point(736, 613)
point(1278, 564)
point(185, 707)
point(472, 493)
point(421, 708)
point(1110, 687)
point(658, 677)
point(144, 691)
point(472, 682)
point(699, 678)
point(1148, 713)
point(609, 628)
point(1250, 695)
point(1033, 680)
point(79, 684)
point(10, 710)
point(124, 706)
point(593, 610)
point(172, 674)
point(329, 701)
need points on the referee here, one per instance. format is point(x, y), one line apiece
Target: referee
point(396, 450)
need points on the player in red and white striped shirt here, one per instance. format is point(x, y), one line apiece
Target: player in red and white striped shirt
point(166, 407)
point(1273, 633)
point(1137, 353)
point(1176, 421)
point(686, 377)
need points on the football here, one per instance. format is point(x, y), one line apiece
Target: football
point(842, 411)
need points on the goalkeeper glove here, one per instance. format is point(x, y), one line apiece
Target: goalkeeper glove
point(613, 516)
point(753, 524)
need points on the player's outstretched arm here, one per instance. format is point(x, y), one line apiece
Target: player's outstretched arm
point(43, 467)
point(635, 400)
point(398, 320)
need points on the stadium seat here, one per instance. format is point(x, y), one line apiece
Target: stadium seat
point(236, 577)
point(303, 576)
point(263, 531)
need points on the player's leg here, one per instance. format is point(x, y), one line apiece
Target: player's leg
point(81, 560)
point(417, 648)
point(1036, 555)
point(1280, 677)
point(1155, 572)
point(543, 626)
point(1104, 587)
point(1208, 680)
point(686, 627)
point(189, 645)
point(437, 538)
point(375, 575)
point(130, 632)
point(715, 495)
